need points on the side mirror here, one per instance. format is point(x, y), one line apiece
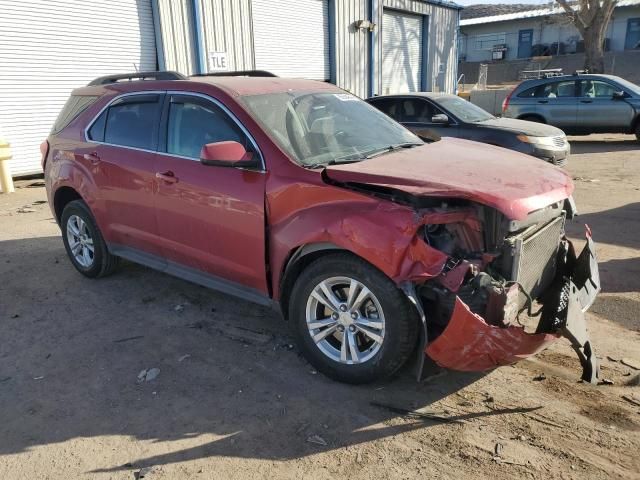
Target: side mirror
point(440, 118)
point(226, 154)
point(619, 95)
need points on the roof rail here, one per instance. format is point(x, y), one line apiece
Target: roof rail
point(238, 73)
point(164, 75)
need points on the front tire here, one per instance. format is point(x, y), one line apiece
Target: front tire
point(84, 243)
point(352, 323)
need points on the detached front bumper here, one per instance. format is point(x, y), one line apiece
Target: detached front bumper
point(469, 343)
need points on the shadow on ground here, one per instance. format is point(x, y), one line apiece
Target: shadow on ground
point(617, 226)
point(72, 349)
point(585, 146)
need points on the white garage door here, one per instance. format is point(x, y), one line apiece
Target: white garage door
point(49, 47)
point(291, 38)
point(401, 52)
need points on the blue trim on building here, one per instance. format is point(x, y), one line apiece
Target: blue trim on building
point(332, 40)
point(424, 60)
point(198, 43)
point(370, 51)
point(157, 29)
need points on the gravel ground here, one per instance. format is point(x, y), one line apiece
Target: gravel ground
point(234, 399)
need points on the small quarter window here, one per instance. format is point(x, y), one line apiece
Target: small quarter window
point(76, 104)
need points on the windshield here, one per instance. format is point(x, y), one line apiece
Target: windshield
point(628, 85)
point(463, 109)
point(322, 128)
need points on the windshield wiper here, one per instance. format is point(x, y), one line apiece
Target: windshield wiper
point(391, 148)
point(351, 158)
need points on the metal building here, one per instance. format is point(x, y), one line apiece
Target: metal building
point(365, 46)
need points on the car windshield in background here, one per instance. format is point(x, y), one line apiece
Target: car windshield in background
point(464, 110)
point(321, 128)
point(628, 85)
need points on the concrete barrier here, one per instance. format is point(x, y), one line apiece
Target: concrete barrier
point(490, 100)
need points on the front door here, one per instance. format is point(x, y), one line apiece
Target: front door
point(557, 102)
point(599, 111)
point(525, 43)
point(211, 218)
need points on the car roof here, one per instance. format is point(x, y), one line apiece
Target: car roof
point(431, 95)
point(562, 78)
point(234, 86)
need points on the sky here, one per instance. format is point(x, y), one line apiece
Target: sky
point(474, 2)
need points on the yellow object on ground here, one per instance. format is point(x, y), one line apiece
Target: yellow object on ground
point(465, 95)
point(6, 182)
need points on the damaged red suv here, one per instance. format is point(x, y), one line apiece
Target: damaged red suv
point(297, 194)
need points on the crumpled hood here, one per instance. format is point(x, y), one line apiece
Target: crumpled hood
point(511, 182)
point(521, 126)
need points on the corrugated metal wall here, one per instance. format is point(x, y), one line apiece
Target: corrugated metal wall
point(177, 35)
point(441, 43)
point(228, 28)
point(49, 48)
point(351, 46)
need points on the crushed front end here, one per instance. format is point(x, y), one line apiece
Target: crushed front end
point(508, 288)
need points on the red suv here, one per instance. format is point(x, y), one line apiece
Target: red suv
point(297, 194)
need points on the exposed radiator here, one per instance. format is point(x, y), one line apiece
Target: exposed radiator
point(534, 256)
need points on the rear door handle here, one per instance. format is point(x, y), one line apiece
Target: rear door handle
point(167, 177)
point(543, 101)
point(586, 101)
point(92, 157)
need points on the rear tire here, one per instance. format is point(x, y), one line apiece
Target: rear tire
point(371, 329)
point(84, 243)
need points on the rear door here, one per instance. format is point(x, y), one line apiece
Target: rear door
point(557, 102)
point(122, 142)
point(211, 218)
point(598, 111)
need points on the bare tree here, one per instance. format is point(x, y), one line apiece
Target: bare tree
point(591, 18)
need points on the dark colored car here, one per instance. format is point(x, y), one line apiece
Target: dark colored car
point(578, 104)
point(296, 194)
point(432, 116)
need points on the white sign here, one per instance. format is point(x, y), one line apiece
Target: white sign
point(218, 62)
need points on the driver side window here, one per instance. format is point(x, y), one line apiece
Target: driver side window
point(192, 123)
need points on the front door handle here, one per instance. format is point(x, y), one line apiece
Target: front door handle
point(586, 101)
point(92, 157)
point(167, 177)
point(543, 101)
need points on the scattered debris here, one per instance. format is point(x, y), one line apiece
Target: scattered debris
point(318, 440)
point(313, 372)
point(606, 381)
point(39, 202)
point(630, 363)
point(15, 315)
point(38, 378)
point(613, 359)
point(178, 308)
point(122, 340)
point(522, 438)
point(5, 379)
point(498, 449)
point(184, 357)
point(25, 210)
point(415, 414)
point(631, 398)
point(540, 377)
point(143, 473)
point(148, 374)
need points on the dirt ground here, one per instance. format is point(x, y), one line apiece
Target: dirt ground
point(234, 399)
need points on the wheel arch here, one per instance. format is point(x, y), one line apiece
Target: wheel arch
point(296, 262)
point(62, 197)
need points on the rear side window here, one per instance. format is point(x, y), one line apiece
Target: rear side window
point(76, 104)
point(528, 93)
point(388, 106)
point(129, 122)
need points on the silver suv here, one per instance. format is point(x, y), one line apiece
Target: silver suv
point(578, 104)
